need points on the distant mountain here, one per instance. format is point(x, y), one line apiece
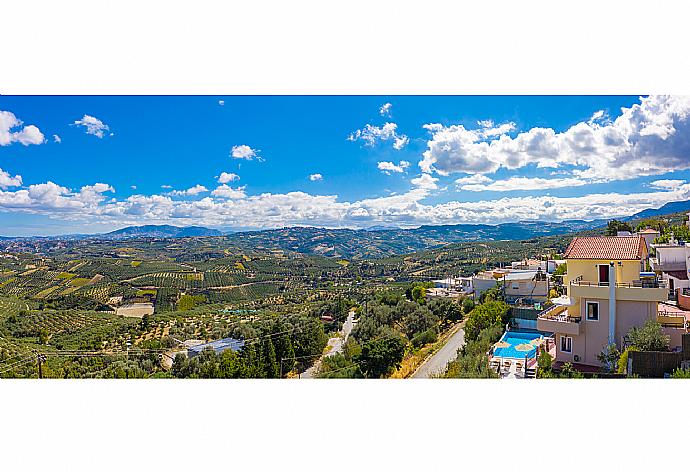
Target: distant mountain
point(374, 243)
point(670, 207)
point(159, 231)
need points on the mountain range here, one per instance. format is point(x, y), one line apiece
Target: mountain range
point(372, 242)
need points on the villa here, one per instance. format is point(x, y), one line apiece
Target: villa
point(609, 292)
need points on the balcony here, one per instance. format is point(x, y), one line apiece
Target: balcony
point(636, 290)
point(556, 320)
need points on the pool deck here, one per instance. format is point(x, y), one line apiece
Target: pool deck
point(512, 371)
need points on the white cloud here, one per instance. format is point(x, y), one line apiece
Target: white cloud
point(516, 183)
point(133, 187)
point(388, 167)
point(166, 186)
point(225, 191)
point(649, 138)
point(425, 181)
point(57, 138)
point(221, 102)
point(472, 180)
point(666, 184)
point(227, 206)
point(93, 126)
point(371, 135)
point(6, 180)
point(196, 190)
point(25, 135)
point(226, 177)
point(386, 109)
point(243, 151)
point(315, 177)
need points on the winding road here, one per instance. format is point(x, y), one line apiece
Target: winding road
point(436, 364)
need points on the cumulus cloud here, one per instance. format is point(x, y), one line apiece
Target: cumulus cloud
point(649, 138)
point(425, 181)
point(227, 206)
point(226, 177)
point(225, 191)
point(386, 109)
point(315, 177)
point(6, 180)
point(196, 190)
point(371, 135)
point(57, 138)
point(92, 125)
point(25, 135)
point(243, 151)
point(666, 184)
point(388, 167)
point(481, 183)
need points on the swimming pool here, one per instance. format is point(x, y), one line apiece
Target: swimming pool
point(514, 339)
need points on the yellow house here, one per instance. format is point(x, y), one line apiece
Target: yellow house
point(609, 294)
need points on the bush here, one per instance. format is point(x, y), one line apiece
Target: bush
point(623, 360)
point(425, 337)
point(485, 316)
point(473, 360)
point(544, 363)
point(681, 374)
point(649, 337)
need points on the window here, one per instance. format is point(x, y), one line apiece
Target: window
point(593, 311)
point(566, 344)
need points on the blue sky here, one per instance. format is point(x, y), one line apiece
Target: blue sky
point(344, 161)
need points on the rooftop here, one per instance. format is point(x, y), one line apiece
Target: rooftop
point(606, 247)
point(649, 231)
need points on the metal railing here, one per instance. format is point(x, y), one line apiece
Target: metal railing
point(633, 284)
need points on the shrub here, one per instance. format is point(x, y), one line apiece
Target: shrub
point(649, 337)
point(484, 316)
point(425, 337)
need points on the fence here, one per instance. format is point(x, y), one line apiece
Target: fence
point(652, 364)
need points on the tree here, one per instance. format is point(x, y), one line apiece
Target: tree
point(614, 226)
point(269, 359)
point(609, 358)
point(544, 362)
point(649, 337)
point(420, 319)
point(145, 322)
point(467, 305)
point(445, 309)
point(484, 316)
point(382, 354)
point(419, 294)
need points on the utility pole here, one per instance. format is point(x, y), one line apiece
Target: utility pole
point(40, 359)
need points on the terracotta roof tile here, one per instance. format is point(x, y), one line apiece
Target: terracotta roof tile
point(606, 247)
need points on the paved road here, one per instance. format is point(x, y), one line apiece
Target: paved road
point(436, 364)
point(336, 345)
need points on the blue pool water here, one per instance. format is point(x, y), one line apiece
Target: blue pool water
point(515, 338)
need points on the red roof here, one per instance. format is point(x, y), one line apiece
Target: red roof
point(606, 247)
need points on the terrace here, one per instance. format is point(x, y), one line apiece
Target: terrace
point(636, 290)
point(556, 320)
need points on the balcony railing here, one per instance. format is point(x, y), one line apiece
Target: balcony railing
point(559, 313)
point(633, 284)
